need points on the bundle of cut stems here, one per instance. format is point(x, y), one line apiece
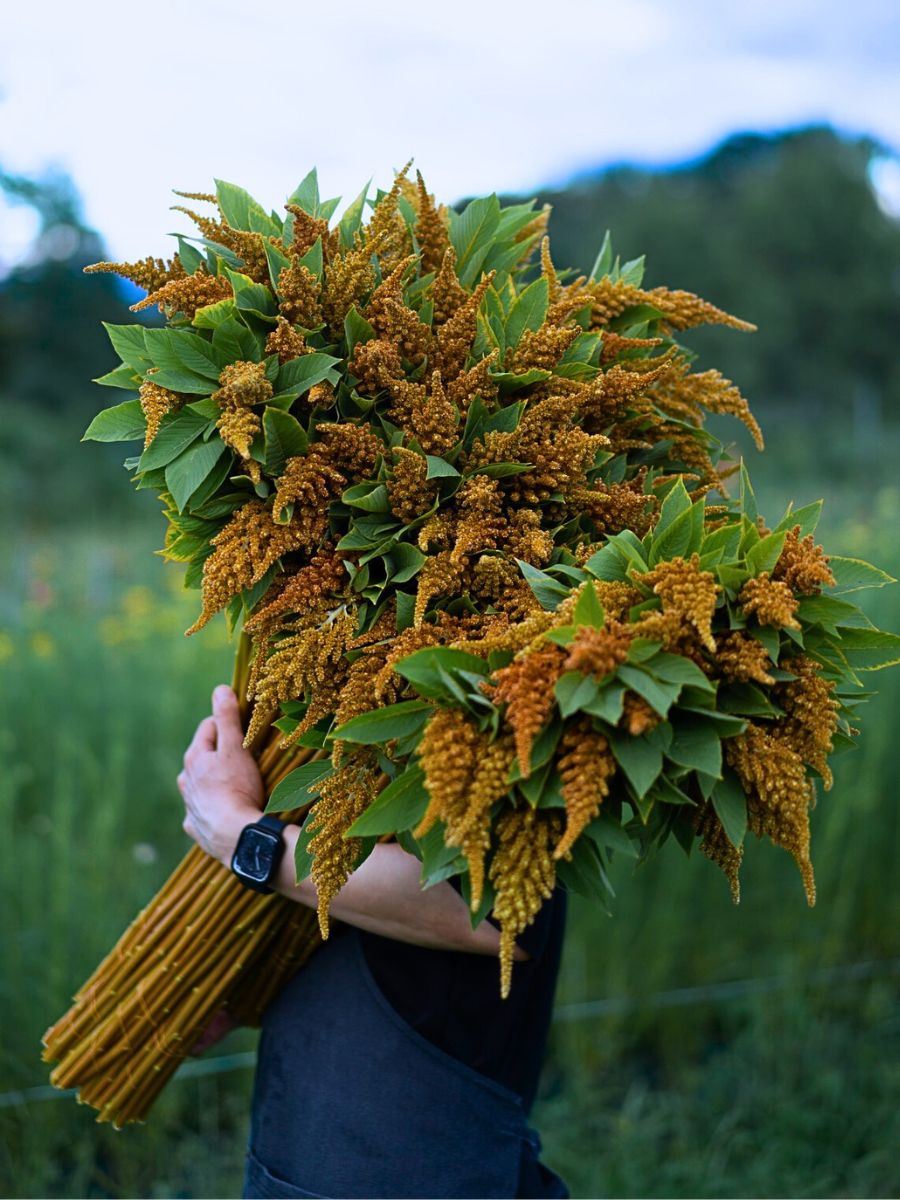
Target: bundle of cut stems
point(202, 944)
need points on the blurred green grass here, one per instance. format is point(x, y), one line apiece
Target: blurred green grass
point(793, 1092)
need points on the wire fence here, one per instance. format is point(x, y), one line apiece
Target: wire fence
point(736, 989)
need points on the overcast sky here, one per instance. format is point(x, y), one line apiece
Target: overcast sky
point(137, 99)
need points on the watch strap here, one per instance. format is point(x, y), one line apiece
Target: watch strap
point(271, 822)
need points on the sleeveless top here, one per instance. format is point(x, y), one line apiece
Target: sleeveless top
point(351, 1100)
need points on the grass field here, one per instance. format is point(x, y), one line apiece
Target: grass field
point(789, 1091)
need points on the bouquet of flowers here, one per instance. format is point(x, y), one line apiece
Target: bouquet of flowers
point(457, 504)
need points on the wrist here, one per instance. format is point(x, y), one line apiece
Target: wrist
point(230, 830)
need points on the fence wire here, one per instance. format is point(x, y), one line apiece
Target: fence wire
point(735, 989)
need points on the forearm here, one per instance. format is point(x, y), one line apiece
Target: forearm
point(384, 895)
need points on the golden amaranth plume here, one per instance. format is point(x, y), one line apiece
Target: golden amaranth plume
point(523, 874)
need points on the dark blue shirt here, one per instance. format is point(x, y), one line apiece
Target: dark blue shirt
point(452, 997)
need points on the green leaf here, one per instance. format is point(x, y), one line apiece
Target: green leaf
point(603, 261)
point(730, 802)
point(471, 233)
point(542, 750)
point(853, 574)
point(528, 312)
point(439, 861)
point(505, 420)
point(211, 316)
point(439, 468)
point(609, 564)
point(696, 744)
point(870, 649)
point(674, 668)
point(300, 374)
point(303, 860)
point(352, 218)
point(185, 473)
point(769, 637)
point(313, 259)
point(547, 590)
point(294, 789)
point(251, 296)
point(500, 470)
point(121, 376)
point(640, 759)
point(234, 341)
point(403, 562)
point(584, 872)
point(189, 256)
point(806, 517)
point(180, 349)
point(423, 668)
point(609, 702)
point(121, 423)
point(746, 699)
point(678, 539)
point(512, 381)
point(383, 724)
point(241, 211)
point(660, 694)
point(726, 538)
point(675, 505)
point(306, 194)
point(666, 792)
point(277, 261)
point(176, 432)
point(748, 496)
point(606, 831)
point(370, 496)
point(128, 343)
point(830, 612)
point(406, 608)
point(573, 691)
point(356, 330)
point(588, 609)
point(401, 805)
point(765, 553)
point(285, 438)
point(201, 497)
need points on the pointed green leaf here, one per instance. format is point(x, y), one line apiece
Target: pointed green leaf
point(401, 805)
point(185, 473)
point(285, 438)
point(176, 432)
point(730, 802)
point(294, 790)
point(121, 423)
point(853, 574)
point(384, 724)
point(528, 312)
point(588, 609)
point(573, 691)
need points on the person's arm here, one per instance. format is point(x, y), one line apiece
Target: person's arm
point(223, 792)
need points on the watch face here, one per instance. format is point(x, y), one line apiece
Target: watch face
point(255, 854)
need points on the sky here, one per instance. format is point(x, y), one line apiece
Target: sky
point(137, 99)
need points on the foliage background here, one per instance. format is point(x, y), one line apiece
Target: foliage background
point(788, 1087)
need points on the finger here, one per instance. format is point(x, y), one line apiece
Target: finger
point(227, 713)
point(204, 737)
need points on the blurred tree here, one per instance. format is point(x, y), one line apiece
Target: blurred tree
point(784, 230)
point(51, 341)
point(52, 345)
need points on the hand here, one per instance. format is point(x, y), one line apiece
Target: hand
point(220, 784)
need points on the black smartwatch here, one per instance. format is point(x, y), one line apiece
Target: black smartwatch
point(258, 853)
